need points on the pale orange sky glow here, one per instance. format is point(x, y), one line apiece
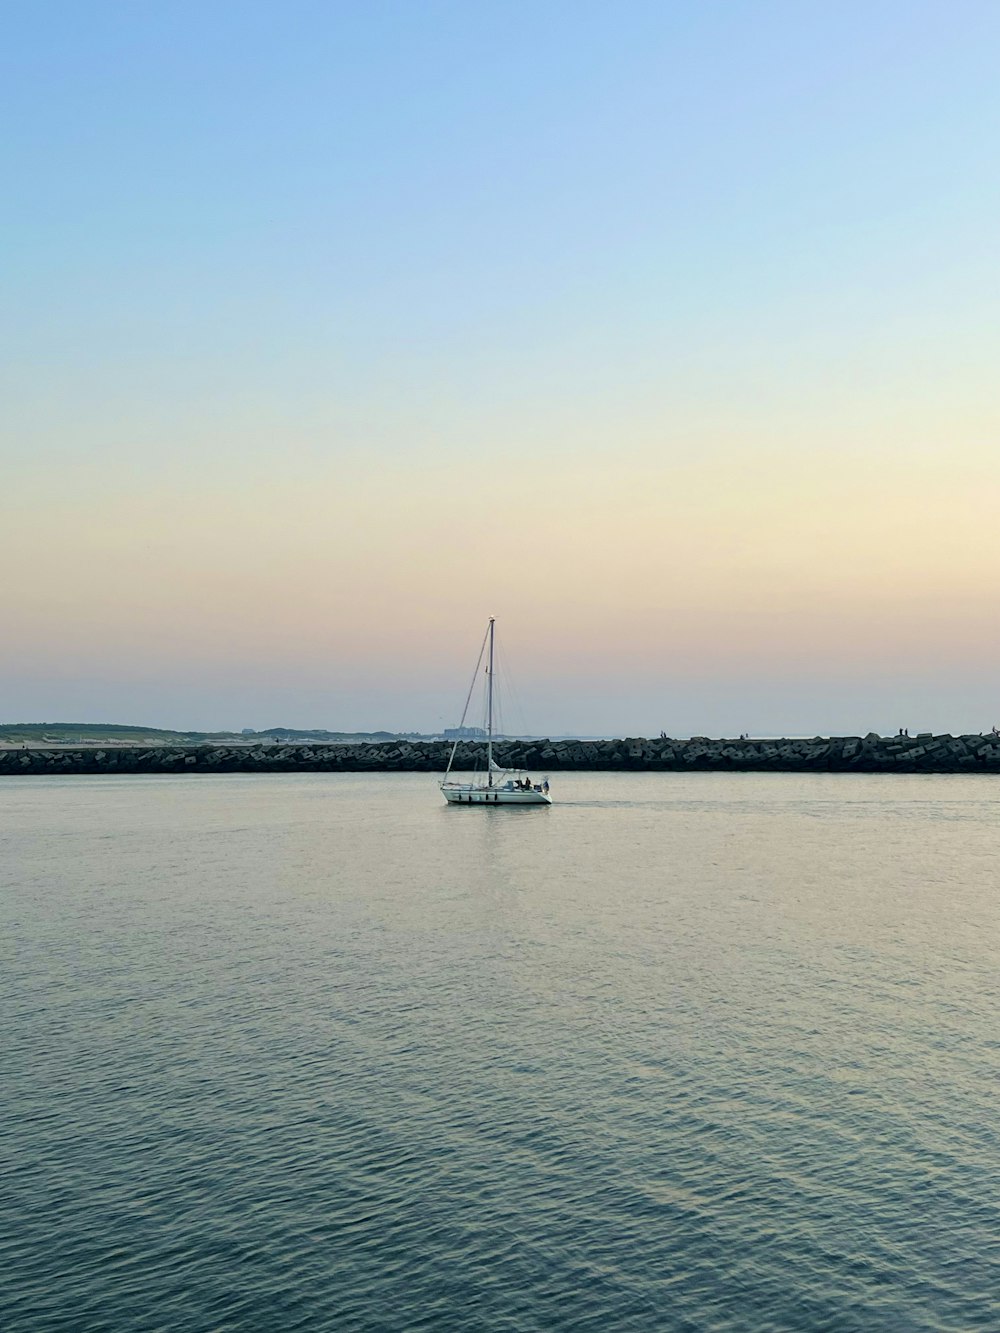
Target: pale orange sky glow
point(617, 573)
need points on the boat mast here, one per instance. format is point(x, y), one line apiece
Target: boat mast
point(489, 710)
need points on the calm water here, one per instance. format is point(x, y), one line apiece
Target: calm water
point(714, 1052)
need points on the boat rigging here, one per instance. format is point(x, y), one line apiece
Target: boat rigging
point(501, 786)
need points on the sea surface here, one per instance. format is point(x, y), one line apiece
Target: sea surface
point(319, 1052)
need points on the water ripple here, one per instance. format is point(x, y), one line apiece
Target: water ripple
point(707, 1052)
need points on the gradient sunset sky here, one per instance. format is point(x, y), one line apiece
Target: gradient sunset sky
point(668, 334)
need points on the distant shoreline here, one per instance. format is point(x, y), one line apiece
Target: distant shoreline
point(925, 753)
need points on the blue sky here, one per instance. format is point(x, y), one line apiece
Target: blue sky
point(299, 296)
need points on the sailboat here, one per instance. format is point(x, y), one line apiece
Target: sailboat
point(502, 786)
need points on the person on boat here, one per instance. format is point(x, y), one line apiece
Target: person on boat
point(545, 786)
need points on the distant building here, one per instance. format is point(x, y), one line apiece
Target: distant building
point(463, 733)
point(248, 731)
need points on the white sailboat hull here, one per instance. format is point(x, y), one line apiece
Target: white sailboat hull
point(457, 793)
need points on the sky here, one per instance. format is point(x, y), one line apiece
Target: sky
point(665, 333)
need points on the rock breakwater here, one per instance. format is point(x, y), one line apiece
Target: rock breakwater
point(925, 753)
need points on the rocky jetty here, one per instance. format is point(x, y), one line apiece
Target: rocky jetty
point(925, 753)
